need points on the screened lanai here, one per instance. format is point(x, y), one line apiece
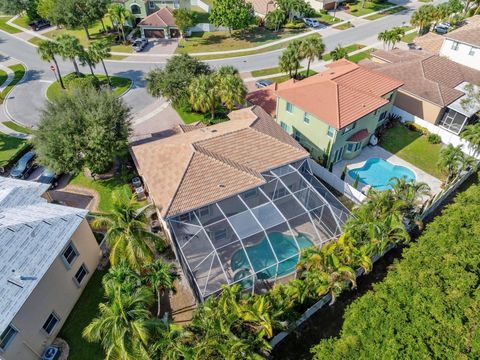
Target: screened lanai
point(254, 238)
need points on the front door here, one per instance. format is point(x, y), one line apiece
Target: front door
point(338, 154)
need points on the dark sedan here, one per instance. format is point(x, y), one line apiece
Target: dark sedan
point(49, 177)
point(24, 166)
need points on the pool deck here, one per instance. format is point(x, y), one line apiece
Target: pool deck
point(379, 152)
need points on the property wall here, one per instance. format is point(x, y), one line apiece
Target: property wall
point(56, 292)
point(418, 107)
point(201, 5)
point(462, 54)
point(447, 136)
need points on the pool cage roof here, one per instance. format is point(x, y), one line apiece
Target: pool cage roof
point(255, 237)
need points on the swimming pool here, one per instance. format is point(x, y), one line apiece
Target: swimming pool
point(262, 258)
point(377, 173)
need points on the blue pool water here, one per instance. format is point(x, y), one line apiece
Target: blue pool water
point(377, 173)
point(262, 258)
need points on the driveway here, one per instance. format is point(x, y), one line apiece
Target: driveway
point(156, 47)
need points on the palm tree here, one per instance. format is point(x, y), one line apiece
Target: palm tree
point(471, 133)
point(274, 19)
point(339, 53)
point(392, 36)
point(203, 94)
point(451, 161)
point(120, 277)
point(411, 193)
point(384, 36)
point(123, 326)
point(69, 47)
point(231, 90)
point(312, 48)
point(119, 15)
point(98, 51)
point(161, 276)
point(290, 61)
point(47, 51)
point(423, 18)
point(174, 342)
point(127, 234)
point(226, 70)
point(86, 59)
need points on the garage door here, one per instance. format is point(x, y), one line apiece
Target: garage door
point(154, 33)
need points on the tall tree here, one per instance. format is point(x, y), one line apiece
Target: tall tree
point(275, 19)
point(289, 61)
point(233, 14)
point(230, 89)
point(47, 51)
point(82, 127)
point(161, 277)
point(339, 53)
point(124, 326)
point(98, 52)
point(16, 7)
point(452, 161)
point(127, 234)
point(294, 7)
point(173, 81)
point(203, 94)
point(119, 15)
point(185, 19)
point(69, 47)
point(391, 37)
point(423, 18)
point(312, 48)
point(471, 133)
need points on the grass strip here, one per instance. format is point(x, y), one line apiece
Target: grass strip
point(18, 128)
point(19, 72)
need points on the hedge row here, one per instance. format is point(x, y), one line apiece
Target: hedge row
point(428, 306)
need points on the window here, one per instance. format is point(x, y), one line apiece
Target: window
point(350, 147)
point(472, 51)
point(185, 217)
point(383, 115)
point(7, 336)
point(284, 126)
point(80, 275)
point(50, 324)
point(330, 131)
point(289, 107)
point(349, 128)
point(70, 254)
point(151, 5)
point(306, 118)
point(453, 121)
point(220, 235)
point(205, 211)
point(250, 193)
point(455, 45)
point(135, 9)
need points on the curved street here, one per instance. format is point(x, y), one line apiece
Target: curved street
point(25, 102)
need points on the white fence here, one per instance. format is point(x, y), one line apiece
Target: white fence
point(201, 5)
point(204, 27)
point(337, 183)
point(447, 136)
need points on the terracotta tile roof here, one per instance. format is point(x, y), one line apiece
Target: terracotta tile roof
point(161, 18)
point(340, 95)
point(190, 127)
point(358, 136)
point(469, 34)
point(195, 168)
point(425, 75)
point(265, 98)
point(430, 42)
point(262, 7)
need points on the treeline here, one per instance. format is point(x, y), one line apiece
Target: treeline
point(428, 306)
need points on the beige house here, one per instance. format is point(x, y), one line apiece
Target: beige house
point(47, 255)
point(433, 87)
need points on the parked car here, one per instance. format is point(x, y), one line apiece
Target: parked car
point(139, 44)
point(24, 166)
point(49, 177)
point(442, 28)
point(262, 83)
point(39, 24)
point(311, 22)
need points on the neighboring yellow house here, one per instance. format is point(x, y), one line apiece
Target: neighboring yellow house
point(47, 255)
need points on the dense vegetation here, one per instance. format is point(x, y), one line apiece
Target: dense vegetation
point(428, 307)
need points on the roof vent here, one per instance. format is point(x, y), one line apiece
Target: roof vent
point(221, 185)
point(214, 131)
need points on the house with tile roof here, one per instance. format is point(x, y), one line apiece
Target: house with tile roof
point(47, 255)
point(160, 24)
point(334, 112)
point(238, 200)
point(433, 87)
point(140, 9)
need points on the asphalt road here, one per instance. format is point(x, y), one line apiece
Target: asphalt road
point(27, 99)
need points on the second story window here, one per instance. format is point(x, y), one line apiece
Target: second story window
point(70, 254)
point(330, 131)
point(151, 5)
point(383, 115)
point(455, 45)
point(7, 337)
point(306, 118)
point(472, 51)
point(289, 107)
point(50, 323)
point(81, 273)
point(349, 128)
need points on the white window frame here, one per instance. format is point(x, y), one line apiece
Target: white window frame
point(471, 52)
point(151, 5)
point(350, 127)
point(10, 327)
point(79, 283)
point(68, 265)
point(330, 132)
point(306, 118)
point(455, 45)
point(54, 315)
point(289, 108)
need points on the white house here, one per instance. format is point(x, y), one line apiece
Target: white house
point(463, 45)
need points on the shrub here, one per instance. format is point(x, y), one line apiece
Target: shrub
point(434, 139)
point(67, 79)
point(294, 25)
point(83, 83)
point(415, 127)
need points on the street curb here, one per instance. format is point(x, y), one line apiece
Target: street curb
point(5, 102)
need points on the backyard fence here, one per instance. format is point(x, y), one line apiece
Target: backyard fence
point(337, 183)
point(201, 5)
point(205, 27)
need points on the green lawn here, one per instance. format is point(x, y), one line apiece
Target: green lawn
point(222, 41)
point(386, 13)
point(268, 71)
point(202, 16)
point(361, 55)
point(5, 27)
point(96, 33)
point(82, 314)
point(349, 48)
point(18, 128)
point(413, 147)
point(356, 8)
point(327, 19)
point(408, 38)
point(120, 85)
point(190, 117)
point(3, 77)
point(283, 78)
point(22, 21)
point(19, 72)
point(9, 148)
point(344, 26)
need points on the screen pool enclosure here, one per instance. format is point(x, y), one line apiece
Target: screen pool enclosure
point(254, 238)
